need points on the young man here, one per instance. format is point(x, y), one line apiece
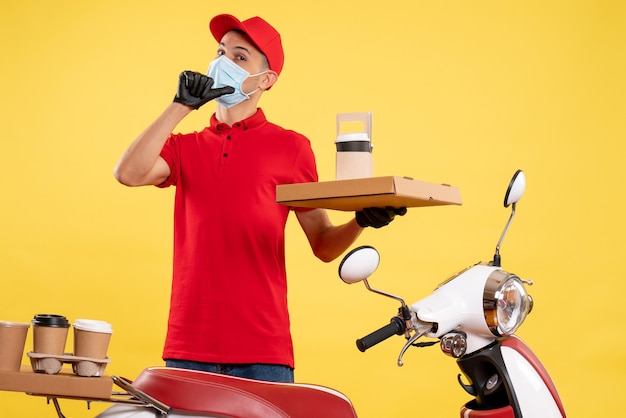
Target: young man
point(228, 310)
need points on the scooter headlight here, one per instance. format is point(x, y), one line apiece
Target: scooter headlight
point(505, 302)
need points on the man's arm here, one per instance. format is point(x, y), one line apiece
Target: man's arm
point(141, 164)
point(327, 240)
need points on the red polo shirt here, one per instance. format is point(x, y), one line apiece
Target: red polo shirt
point(229, 290)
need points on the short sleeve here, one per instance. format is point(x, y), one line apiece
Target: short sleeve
point(170, 153)
point(305, 168)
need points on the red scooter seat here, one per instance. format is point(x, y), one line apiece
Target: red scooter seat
point(210, 393)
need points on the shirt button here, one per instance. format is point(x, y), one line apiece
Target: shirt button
point(225, 155)
point(228, 137)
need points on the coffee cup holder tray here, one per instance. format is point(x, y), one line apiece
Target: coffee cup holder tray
point(81, 366)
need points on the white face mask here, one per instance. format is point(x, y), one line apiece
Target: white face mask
point(224, 73)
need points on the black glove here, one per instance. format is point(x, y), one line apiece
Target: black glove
point(377, 217)
point(194, 89)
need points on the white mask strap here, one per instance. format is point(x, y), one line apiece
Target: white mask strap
point(258, 88)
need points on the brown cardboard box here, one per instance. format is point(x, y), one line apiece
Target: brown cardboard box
point(356, 194)
point(63, 384)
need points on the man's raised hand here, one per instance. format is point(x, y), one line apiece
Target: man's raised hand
point(194, 89)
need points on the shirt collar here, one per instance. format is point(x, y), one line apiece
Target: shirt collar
point(251, 122)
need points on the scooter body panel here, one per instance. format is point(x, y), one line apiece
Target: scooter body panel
point(458, 302)
point(135, 411)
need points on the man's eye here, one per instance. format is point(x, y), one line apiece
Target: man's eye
point(241, 58)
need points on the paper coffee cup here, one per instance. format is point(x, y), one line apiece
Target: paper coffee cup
point(50, 334)
point(91, 338)
point(12, 342)
point(354, 156)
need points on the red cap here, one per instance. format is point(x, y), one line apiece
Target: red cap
point(262, 34)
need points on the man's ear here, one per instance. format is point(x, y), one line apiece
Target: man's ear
point(268, 79)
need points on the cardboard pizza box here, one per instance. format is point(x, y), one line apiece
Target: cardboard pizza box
point(356, 194)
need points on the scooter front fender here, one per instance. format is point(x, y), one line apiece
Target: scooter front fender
point(508, 380)
point(535, 391)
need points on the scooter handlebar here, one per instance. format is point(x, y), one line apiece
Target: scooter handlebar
point(397, 326)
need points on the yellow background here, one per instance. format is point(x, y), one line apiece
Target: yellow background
point(462, 92)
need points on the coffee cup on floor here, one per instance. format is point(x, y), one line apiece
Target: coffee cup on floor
point(91, 338)
point(12, 342)
point(50, 334)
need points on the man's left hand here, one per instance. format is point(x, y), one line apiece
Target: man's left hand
point(378, 217)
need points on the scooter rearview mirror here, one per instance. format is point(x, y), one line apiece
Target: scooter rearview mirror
point(359, 264)
point(516, 189)
point(514, 193)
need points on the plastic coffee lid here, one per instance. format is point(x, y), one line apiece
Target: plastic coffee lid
point(51, 320)
point(93, 325)
point(14, 324)
point(356, 136)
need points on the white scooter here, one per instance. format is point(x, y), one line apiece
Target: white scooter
point(472, 316)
